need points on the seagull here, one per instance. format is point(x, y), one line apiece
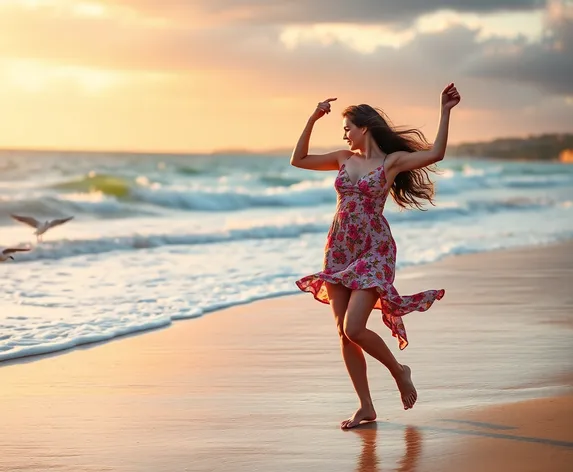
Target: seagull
point(6, 253)
point(41, 228)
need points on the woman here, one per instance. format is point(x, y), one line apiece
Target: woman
point(360, 253)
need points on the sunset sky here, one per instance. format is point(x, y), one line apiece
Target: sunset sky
point(202, 75)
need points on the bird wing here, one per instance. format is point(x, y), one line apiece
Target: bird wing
point(60, 221)
point(10, 250)
point(33, 222)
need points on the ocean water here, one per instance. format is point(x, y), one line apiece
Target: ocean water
point(158, 238)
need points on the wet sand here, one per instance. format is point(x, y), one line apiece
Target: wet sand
point(263, 387)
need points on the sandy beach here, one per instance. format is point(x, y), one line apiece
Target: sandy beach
point(263, 387)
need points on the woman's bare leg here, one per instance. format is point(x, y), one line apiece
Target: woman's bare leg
point(359, 308)
point(353, 357)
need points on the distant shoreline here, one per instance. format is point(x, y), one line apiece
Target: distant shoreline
point(557, 147)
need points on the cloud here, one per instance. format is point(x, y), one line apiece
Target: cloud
point(547, 65)
point(426, 59)
point(363, 11)
point(340, 11)
point(254, 64)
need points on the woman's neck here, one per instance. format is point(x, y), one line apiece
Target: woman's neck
point(371, 150)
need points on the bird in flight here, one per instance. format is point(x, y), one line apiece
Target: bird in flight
point(41, 227)
point(6, 254)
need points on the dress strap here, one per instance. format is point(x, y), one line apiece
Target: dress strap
point(344, 163)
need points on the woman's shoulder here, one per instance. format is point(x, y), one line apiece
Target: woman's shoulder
point(343, 155)
point(392, 158)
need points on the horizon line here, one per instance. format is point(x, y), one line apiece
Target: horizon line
point(273, 151)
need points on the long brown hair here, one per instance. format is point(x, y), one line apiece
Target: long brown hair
point(411, 187)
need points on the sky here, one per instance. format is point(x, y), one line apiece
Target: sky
point(213, 75)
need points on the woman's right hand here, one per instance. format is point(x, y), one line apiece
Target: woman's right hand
point(322, 109)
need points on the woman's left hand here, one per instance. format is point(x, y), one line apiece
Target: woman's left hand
point(450, 97)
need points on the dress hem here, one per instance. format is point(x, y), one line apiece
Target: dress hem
point(384, 300)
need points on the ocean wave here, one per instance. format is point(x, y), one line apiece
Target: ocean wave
point(299, 194)
point(456, 183)
point(95, 205)
point(452, 210)
point(202, 199)
point(68, 335)
point(292, 228)
point(189, 170)
point(76, 247)
point(537, 181)
point(279, 180)
point(264, 189)
point(111, 185)
point(280, 191)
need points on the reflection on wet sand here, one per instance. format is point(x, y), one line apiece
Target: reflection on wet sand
point(368, 460)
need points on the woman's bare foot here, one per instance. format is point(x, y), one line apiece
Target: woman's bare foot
point(364, 413)
point(406, 387)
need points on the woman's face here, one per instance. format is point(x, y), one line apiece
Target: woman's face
point(353, 135)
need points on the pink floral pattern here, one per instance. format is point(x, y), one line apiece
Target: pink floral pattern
point(360, 252)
